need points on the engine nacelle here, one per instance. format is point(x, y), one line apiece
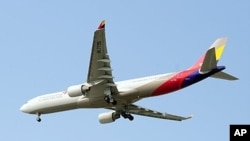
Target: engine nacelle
point(108, 117)
point(78, 90)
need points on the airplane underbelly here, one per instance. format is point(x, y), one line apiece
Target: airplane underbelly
point(57, 108)
point(97, 102)
point(51, 104)
point(123, 98)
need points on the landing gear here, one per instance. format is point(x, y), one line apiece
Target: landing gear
point(114, 102)
point(38, 117)
point(127, 115)
point(109, 96)
point(110, 99)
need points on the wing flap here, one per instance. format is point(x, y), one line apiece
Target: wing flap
point(137, 110)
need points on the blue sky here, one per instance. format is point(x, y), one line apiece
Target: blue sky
point(45, 47)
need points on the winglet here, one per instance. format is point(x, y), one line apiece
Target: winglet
point(190, 116)
point(102, 25)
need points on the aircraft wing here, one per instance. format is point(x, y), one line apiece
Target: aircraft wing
point(137, 110)
point(100, 72)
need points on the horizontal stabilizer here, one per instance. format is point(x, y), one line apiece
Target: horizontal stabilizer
point(223, 75)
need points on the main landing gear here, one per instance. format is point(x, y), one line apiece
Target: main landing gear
point(110, 99)
point(38, 117)
point(127, 115)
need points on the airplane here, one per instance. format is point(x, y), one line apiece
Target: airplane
point(100, 90)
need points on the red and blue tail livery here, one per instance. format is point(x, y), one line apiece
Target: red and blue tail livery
point(206, 66)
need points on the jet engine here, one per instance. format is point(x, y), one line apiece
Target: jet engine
point(78, 90)
point(108, 117)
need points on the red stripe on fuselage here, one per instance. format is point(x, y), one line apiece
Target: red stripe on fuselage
point(173, 83)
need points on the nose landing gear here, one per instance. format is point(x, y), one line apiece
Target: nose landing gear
point(38, 117)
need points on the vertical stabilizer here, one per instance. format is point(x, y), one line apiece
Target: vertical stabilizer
point(209, 60)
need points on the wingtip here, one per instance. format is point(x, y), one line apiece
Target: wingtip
point(102, 25)
point(190, 116)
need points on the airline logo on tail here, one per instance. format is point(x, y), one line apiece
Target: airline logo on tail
point(209, 60)
point(219, 51)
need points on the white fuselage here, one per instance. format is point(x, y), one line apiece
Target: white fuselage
point(129, 91)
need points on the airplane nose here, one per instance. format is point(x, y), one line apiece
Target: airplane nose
point(24, 108)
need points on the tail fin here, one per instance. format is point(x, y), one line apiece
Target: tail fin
point(213, 55)
point(209, 60)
